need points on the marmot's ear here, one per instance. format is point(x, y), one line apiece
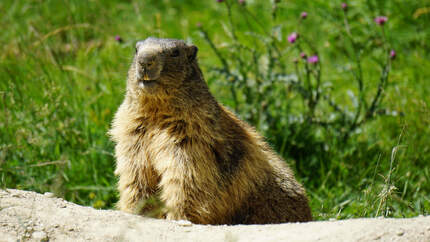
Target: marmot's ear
point(192, 52)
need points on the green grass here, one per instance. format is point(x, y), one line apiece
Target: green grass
point(62, 76)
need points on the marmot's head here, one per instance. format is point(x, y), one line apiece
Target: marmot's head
point(160, 66)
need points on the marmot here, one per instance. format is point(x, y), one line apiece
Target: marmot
point(176, 142)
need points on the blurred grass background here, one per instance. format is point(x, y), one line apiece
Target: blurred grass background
point(62, 77)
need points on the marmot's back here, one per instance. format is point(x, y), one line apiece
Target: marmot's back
point(177, 144)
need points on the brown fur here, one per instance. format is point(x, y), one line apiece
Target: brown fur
point(175, 142)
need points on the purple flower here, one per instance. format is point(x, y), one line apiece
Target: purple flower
point(242, 2)
point(380, 20)
point(303, 55)
point(344, 6)
point(304, 15)
point(220, 1)
point(118, 38)
point(313, 59)
point(293, 37)
point(393, 54)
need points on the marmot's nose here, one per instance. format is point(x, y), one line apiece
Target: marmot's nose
point(147, 61)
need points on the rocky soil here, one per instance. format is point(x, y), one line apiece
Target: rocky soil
point(29, 216)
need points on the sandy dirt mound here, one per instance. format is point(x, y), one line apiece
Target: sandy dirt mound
point(30, 216)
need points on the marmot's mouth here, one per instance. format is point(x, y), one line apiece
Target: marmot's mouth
point(146, 83)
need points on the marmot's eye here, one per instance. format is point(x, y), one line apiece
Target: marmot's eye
point(175, 53)
point(135, 50)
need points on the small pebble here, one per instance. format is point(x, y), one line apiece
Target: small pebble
point(400, 233)
point(184, 223)
point(39, 236)
point(49, 194)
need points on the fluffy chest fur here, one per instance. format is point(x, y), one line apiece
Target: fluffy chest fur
point(164, 140)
